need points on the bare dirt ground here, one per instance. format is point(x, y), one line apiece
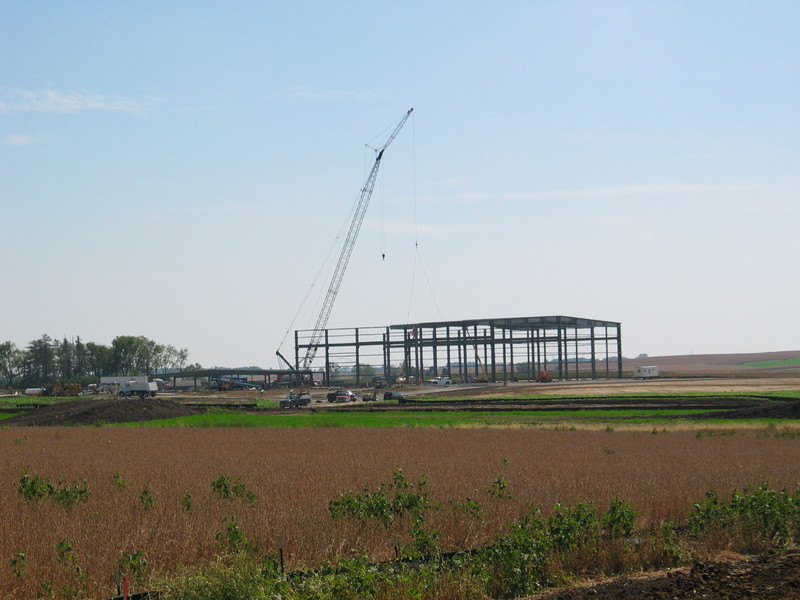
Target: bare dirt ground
point(101, 411)
point(665, 385)
point(727, 578)
point(715, 364)
point(773, 577)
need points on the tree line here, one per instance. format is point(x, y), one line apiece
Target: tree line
point(45, 361)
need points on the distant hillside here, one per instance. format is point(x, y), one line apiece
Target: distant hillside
point(741, 363)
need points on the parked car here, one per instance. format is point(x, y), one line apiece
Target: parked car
point(393, 396)
point(162, 385)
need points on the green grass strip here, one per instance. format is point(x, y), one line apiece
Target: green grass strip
point(789, 362)
point(415, 419)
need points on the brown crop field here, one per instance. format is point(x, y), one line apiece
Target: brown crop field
point(151, 490)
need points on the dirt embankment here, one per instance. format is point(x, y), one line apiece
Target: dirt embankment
point(98, 411)
point(773, 577)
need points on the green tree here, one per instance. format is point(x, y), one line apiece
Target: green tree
point(365, 370)
point(10, 361)
point(65, 352)
point(99, 359)
point(133, 355)
point(80, 358)
point(39, 362)
point(173, 359)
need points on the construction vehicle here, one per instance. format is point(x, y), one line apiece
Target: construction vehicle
point(65, 389)
point(129, 385)
point(135, 388)
point(544, 377)
point(347, 250)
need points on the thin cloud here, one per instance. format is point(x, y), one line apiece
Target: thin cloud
point(422, 228)
point(184, 212)
point(313, 94)
point(609, 192)
point(662, 188)
point(54, 101)
point(21, 139)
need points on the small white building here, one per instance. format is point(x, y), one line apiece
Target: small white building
point(646, 372)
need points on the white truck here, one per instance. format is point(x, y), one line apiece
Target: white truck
point(132, 385)
point(646, 372)
point(440, 381)
point(142, 390)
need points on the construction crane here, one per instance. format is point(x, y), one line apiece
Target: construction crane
point(347, 250)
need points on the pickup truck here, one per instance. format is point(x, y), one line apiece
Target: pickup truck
point(295, 400)
point(345, 396)
point(341, 396)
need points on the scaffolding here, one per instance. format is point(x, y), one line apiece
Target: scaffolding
point(472, 350)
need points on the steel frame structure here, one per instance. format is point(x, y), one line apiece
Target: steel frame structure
point(491, 350)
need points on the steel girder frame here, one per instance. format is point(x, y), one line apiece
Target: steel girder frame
point(475, 349)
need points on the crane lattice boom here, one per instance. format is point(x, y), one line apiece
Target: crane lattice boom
point(347, 248)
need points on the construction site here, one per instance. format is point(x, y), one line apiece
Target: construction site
point(468, 351)
point(539, 348)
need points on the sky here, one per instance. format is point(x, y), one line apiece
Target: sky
point(181, 170)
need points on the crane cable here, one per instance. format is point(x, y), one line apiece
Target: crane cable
point(383, 216)
point(417, 253)
point(322, 268)
point(345, 227)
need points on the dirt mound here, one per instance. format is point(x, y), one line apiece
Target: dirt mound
point(102, 410)
point(766, 578)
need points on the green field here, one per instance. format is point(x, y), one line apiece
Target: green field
point(789, 362)
point(617, 411)
point(416, 418)
point(28, 401)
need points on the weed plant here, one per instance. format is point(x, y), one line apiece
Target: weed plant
point(536, 552)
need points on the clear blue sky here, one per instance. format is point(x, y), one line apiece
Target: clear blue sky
point(179, 169)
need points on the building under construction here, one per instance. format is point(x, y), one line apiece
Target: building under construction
point(473, 350)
